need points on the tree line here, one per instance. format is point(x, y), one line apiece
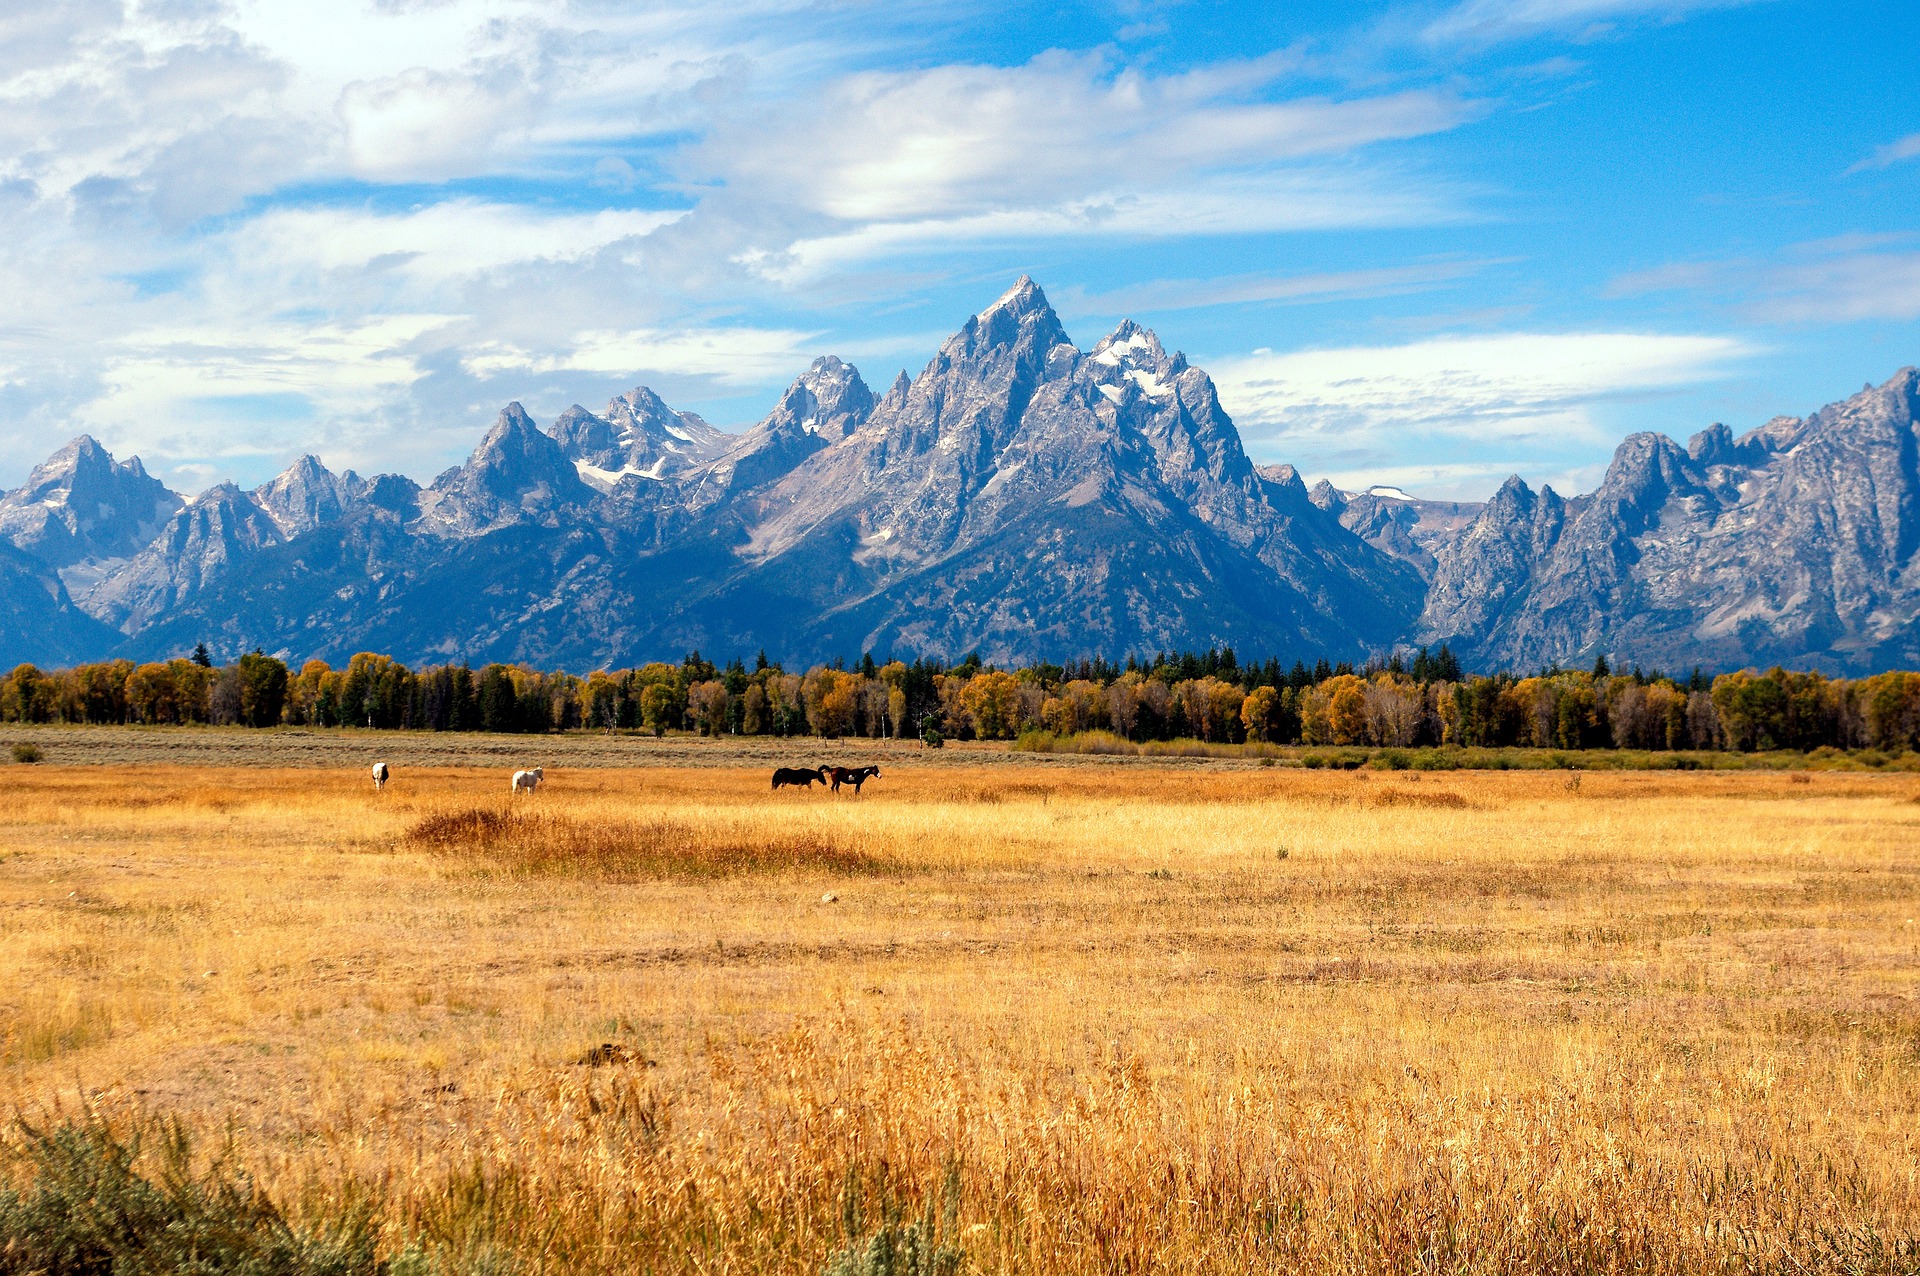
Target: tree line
point(1426, 699)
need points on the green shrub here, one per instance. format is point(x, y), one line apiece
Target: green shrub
point(922, 1248)
point(88, 1208)
point(27, 753)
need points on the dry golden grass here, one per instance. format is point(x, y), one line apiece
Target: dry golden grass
point(1162, 1020)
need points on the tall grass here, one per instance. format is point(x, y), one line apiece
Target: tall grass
point(543, 842)
point(1042, 1020)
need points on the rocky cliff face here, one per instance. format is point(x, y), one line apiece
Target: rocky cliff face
point(639, 437)
point(1020, 497)
point(1410, 529)
point(1794, 544)
point(39, 622)
point(81, 512)
point(219, 530)
point(517, 475)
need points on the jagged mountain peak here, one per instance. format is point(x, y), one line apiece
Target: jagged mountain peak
point(640, 435)
point(1021, 319)
point(80, 508)
point(641, 407)
point(517, 472)
point(640, 413)
point(1127, 341)
point(80, 460)
point(1284, 476)
point(829, 399)
point(1512, 494)
point(829, 369)
point(307, 495)
point(1024, 297)
point(1031, 500)
point(509, 445)
point(80, 450)
point(513, 420)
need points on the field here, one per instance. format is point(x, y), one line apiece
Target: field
point(1113, 1016)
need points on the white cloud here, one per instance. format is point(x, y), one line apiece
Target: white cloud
point(1849, 279)
point(1066, 145)
point(428, 125)
point(1895, 152)
point(455, 240)
point(163, 393)
point(1845, 288)
point(1492, 21)
point(730, 356)
point(1365, 408)
point(1340, 285)
point(177, 170)
point(1231, 204)
point(960, 140)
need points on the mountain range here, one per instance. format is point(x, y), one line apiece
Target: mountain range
point(1021, 498)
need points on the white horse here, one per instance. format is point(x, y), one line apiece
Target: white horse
point(528, 781)
point(380, 776)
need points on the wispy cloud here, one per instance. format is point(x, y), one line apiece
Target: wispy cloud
point(964, 140)
point(1341, 285)
point(454, 241)
point(1849, 279)
point(1897, 152)
point(1263, 203)
point(1494, 21)
point(1068, 145)
point(731, 356)
point(1361, 409)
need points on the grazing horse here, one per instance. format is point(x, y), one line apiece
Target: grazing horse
point(805, 777)
point(380, 776)
point(528, 781)
point(856, 776)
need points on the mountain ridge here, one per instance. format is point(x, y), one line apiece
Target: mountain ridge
point(1021, 497)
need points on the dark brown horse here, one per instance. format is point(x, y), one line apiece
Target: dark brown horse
point(856, 776)
point(805, 777)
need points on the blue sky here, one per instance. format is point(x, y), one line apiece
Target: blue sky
point(1426, 243)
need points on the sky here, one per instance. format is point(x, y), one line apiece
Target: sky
point(1425, 244)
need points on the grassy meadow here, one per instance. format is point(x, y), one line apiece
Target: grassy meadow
point(1087, 1019)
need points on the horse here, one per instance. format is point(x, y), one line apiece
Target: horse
point(856, 776)
point(805, 777)
point(528, 781)
point(380, 776)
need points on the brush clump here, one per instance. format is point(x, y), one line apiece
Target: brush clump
point(549, 843)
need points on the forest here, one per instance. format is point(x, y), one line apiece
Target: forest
point(1207, 696)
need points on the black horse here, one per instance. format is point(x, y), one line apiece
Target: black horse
point(805, 777)
point(856, 776)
